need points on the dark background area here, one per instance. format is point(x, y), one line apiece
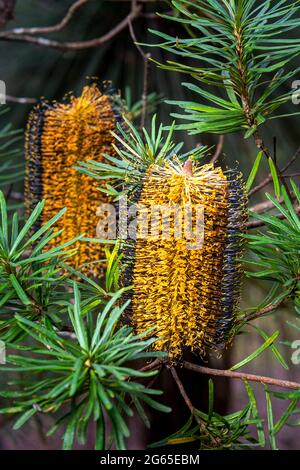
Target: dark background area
point(32, 71)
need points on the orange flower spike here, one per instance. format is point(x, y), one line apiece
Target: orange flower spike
point(185, 293)
point(58, 136)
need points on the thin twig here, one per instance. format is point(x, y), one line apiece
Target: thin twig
point(247, 105)
point(76, 45)
point(20, 100)
point(185, 397)
point(192, 409)
point(241, 376)
point(261, 185)
point(291, 161)
point(264, 206)
point(260, 223)
point(261, 145)
point(156, 363)
point(146, 57)
point(16, 196)
point(230, 374)
point(259, 313)
point(269, 178)
point(292, 175)
point(134, 8)
point(218, 151)
point(51, 29)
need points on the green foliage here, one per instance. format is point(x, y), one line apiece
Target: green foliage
point(135, 110)
point(30, 273)
point(90, 376)
point(246, 427)
point(135, 153)
point(11, 171)
point(275, 427)
point(237, 46)
point(276, 248)
point(80, 357)
point(233, 431)
point(254, 170)
point(269, 342)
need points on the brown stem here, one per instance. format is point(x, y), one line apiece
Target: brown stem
point(261, 145)
point(146, 57)
point(259, 313)
point(263, 206)
point(20, 100)
point(51, 29)
point(247, 105)
point(218, 151)
point(292, 175)
point(190, 406)
point(241, 376)
point(185, 396)
point(230, 374)
point(76, 45)
point(156, 363)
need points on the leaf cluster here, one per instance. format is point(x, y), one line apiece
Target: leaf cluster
point(89, 376)
point(239, 47)
point(135, 154)
point(276, 248)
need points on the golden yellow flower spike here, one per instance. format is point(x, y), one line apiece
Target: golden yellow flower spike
point(58, 136)
point(188, 293)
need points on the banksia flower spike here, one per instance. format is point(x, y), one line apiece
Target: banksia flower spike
point(187, 288)
point(58, 136)
point(184, 264)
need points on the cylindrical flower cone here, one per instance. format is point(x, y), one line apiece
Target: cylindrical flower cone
point(58, 136)
point(186, 284)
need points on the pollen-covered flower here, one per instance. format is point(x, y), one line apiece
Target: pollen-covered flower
point(58, 136)
point(186, 288)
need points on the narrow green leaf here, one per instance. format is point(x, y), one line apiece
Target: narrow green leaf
point(275, 178)
point(4, 223)
point(33, 217)
point(76, 374)
point(273, 348)
point(254, 170)
point(285, 416)
point(270, 421)
point(19, 290)
point(24, 418)
point(210, 399)
point(100, 433)
point(256, 353)
point(69, 434)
